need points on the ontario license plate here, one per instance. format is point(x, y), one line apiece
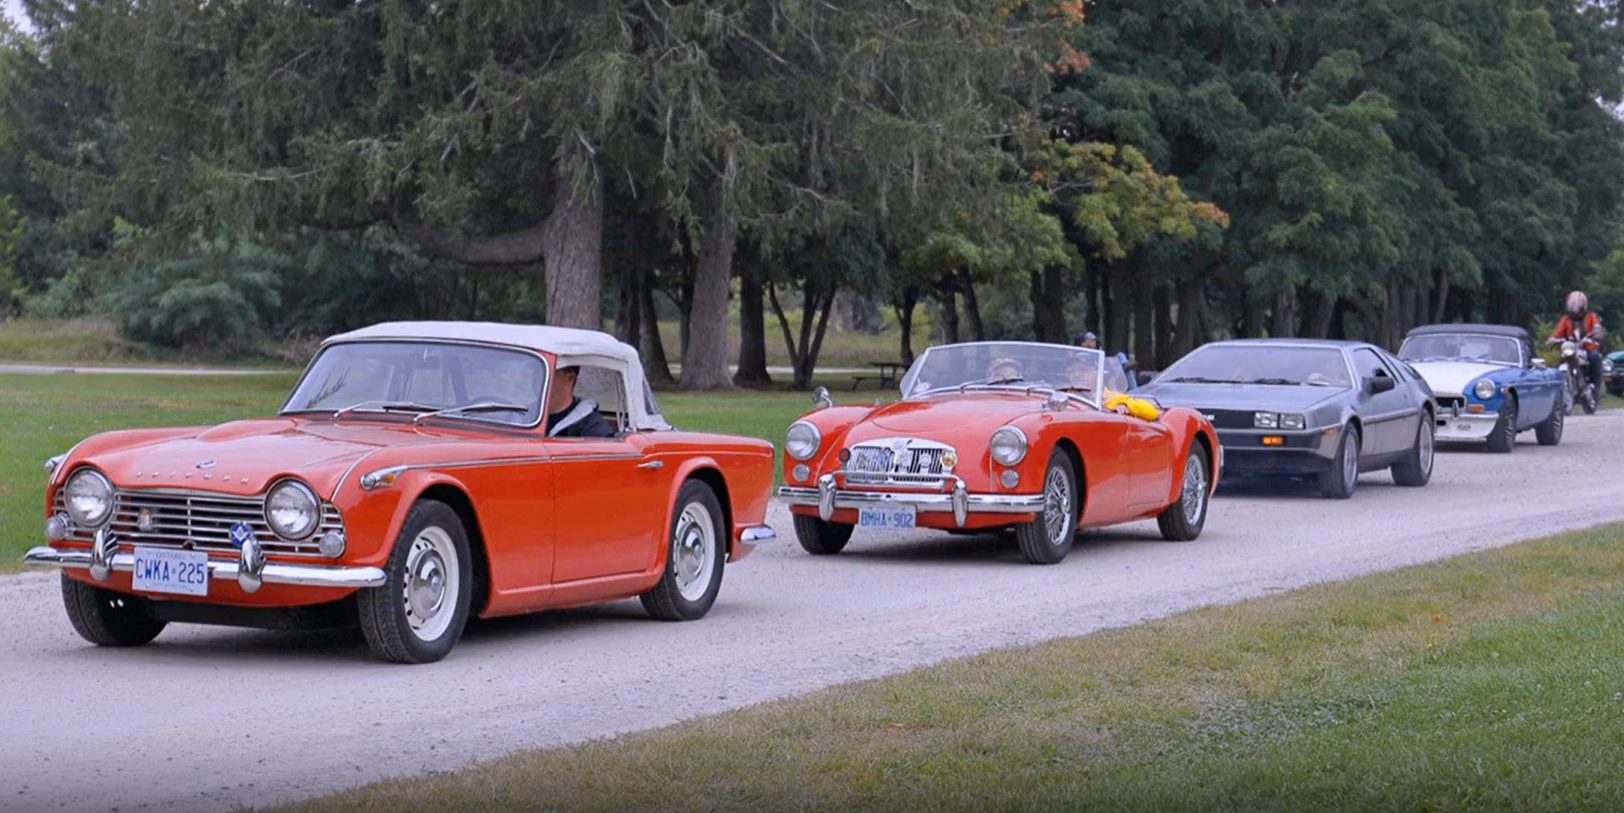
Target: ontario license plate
point(166, 570)
point(890, 517)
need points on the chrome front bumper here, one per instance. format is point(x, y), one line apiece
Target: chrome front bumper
point(103, 558)
point(828, 497)
point(1477, 426)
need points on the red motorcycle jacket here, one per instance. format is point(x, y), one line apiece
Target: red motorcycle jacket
point(1592, 328)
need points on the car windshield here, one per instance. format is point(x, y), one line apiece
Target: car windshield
point(1462, 347)
point(1015, 365)
point(1260, 364)
point(491, 384)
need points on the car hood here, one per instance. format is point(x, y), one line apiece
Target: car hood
point(950, 418)
point(1453, 377)
point(244, 457)
point(1240, 396)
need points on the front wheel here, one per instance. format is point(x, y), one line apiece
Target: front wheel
point(1503, 438)
point(1416, 470)
point(696, 552)
point(1183, 520)
point(1590, 403)
point(1047, 539)
point(1342, 479)
point(821, 538)
point(418, 615)
point(106, 618)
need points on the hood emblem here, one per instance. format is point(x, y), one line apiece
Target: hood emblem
point(205, 464)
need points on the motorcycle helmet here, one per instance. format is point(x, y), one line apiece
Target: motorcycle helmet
point(1578, 303)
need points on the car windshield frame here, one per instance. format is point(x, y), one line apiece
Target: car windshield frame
point(1522, 357)
point(1173, 374)
point(981, 355)
point(537, 406)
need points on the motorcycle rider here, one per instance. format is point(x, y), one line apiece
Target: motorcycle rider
point(1581, 325)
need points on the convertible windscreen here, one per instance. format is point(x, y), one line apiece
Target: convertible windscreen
point(1013, 364)
point(1261, 364)
point(1462, 347)
point(465, 381)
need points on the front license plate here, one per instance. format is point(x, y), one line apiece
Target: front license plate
point(166, 570)
point(891, 517)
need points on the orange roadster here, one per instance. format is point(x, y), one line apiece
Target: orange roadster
point(993, 435)
point(419, 473)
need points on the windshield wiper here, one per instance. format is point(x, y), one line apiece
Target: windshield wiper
point(1283, 382)
point(382, 406)
point(483, 406)
point(1196, 379)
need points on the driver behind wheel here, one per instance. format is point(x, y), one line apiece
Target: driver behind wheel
point(571, 417)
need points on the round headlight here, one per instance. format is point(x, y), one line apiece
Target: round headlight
point(89, 498)
point(802, 440)
point(1484, 389)
point(1607, 366)
point(292, 510)
point(1008, 445)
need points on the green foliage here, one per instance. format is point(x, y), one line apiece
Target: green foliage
point(11, 238)
point(223, 295)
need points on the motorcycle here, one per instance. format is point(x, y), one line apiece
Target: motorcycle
point(1575, 371)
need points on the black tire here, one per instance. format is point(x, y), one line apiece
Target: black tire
point(1047, 539)
point(1503, 437)
point(697, 527)
point(432, 542)
point(1416, 470)
point(107, 618)
point(1590, 401)
point(1342, 479)
point(1549, 433)
point(1183, 520)
point(821, 538)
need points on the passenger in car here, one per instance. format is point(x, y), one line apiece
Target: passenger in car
point(570, 417)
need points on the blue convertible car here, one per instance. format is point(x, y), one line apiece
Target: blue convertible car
point(1489, 384)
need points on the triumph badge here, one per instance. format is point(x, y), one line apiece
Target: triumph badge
point(241, 533)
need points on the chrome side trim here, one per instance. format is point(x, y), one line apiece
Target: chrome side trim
point(948, 502)
point(758, 533)
point(270, 572)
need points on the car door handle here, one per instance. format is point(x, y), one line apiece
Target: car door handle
point(652, 464)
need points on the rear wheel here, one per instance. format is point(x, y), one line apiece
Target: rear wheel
point(1047, 539)
point(1183, 520)
point(1342, 479)
point(821, 538)
point(418, 615)
point(694, 561)
point(1416, 469)
point(106, 618)
point(1503, 438)
point(1549, 433)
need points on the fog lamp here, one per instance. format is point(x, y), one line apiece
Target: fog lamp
point(1009, 479)
point(331, 544)
point(801, 472)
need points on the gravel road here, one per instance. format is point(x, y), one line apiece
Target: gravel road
point(215, 718)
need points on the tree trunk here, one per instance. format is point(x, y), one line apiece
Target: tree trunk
point(1255, 316)
point(1164, 330)
point(1118, 310)
point(803, 354)
point(704, 360)
point(972, 306)
point(1048, 297)
point(572, 246)
point(1144, 325)
point(1187, 334)
point(1091, 289)
point(752, 327)
point(1285, 315)
point(950, 315)
point(809, 356)
point(649, 345)
point(904, 306)
point(1319, 321)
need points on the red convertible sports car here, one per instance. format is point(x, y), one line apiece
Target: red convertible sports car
point(994, 435)
point(419, 473)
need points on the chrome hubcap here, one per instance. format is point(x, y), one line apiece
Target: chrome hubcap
point(1057, 506)
point(1195, 490)
point(1426, 446)
point(693, 549)
point(1350, 461)
point(430, 592)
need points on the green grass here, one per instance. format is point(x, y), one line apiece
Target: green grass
point(45, 415)
point(1488, 682)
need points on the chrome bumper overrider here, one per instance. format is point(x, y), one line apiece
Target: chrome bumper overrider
point(828, 497)
point(250, 572)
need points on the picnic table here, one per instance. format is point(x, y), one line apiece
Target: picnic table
point(885, 375)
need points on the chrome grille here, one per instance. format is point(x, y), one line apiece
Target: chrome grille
point(200, 521)
point(898, 461)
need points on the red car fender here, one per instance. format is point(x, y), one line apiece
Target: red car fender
point(1187, 425)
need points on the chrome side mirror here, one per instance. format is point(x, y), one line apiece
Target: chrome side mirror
point(1540, 364)
point(821, 398)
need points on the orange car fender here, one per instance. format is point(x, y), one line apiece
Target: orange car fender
point(1186, 426)
point(833, 423)
point(366, 512)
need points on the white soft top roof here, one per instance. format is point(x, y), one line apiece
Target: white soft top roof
point(573, 346)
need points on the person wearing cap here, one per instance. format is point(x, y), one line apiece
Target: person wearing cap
point(1087, 339)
